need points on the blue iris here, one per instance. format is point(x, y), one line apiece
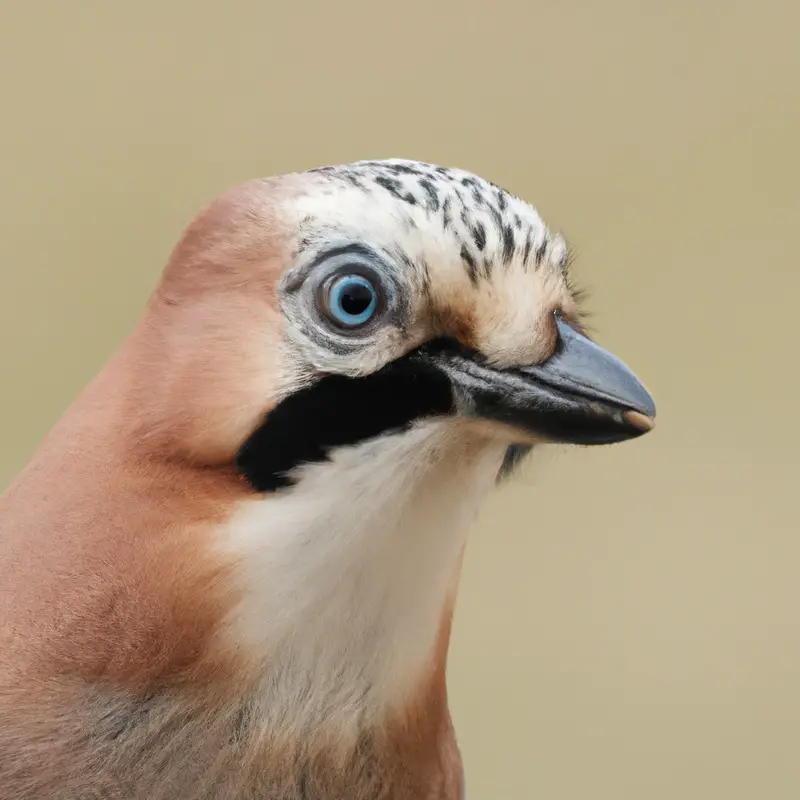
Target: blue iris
point(352, 300)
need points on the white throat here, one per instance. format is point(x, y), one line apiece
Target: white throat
point(346, 575)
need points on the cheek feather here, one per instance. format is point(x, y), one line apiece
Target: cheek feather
point(190, 405)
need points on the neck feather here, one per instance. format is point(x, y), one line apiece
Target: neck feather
point(347, 578)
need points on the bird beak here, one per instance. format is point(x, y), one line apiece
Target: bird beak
point(582, 394)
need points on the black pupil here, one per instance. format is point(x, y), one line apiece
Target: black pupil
point(355, 298)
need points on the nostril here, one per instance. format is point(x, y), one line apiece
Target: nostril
point(571, 321)
point(551, 336)
point(566, 318)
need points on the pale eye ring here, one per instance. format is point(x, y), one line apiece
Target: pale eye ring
point(351, 300)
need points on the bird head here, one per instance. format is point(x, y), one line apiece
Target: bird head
point(333, 307)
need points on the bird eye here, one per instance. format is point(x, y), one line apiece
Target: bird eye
point(351, 300)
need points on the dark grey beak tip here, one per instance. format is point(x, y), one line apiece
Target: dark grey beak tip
point(631, 393)
point(648, 406)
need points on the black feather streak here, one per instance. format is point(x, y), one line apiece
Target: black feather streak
point(404, 169)
point(430, 191)
point(354, 180)
point(508, 243)
point(446, 218)
point(479, 235)
point(502, 199)
point(528, 245)
point(540, 251)
point(338, 411)
point(396, 188)
point(469, 262)
point(515, 455)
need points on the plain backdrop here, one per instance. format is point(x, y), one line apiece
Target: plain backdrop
point(628, 624)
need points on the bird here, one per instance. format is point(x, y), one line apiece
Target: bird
point(229, 571)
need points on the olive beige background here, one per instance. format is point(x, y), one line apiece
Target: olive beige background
point(628, 625)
